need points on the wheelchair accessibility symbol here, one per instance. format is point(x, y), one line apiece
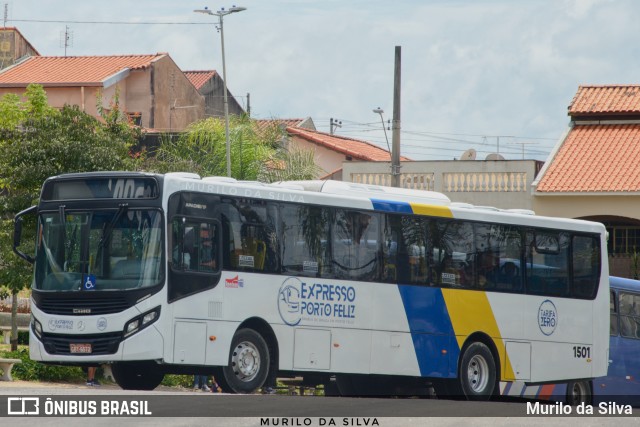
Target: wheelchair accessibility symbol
point(89, 282)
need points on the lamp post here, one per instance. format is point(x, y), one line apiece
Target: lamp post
point(384, 128)
point(220, 14)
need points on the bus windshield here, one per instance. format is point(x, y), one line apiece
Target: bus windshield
point(99, 250)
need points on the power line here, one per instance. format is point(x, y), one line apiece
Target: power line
point(371, 126)
point(53, 21)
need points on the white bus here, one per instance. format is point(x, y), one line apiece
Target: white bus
point(365, 289)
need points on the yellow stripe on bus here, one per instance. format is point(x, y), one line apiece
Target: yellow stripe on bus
point(431, 210)
point(470, 311)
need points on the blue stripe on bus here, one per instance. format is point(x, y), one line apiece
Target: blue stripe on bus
point(431, 329)
point(391, 206)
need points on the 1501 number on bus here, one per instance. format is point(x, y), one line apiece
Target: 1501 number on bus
point(581, 352)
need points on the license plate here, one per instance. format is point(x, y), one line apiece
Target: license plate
point(80, 348)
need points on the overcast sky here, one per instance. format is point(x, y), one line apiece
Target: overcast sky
point(474, 72)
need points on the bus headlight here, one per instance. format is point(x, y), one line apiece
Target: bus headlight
point(37, 328)
point(138, 323)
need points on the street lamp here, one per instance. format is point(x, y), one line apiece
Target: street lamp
point(221, 13)
point(380, 111)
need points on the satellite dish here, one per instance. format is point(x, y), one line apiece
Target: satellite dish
point(494, 156)
point(470, 154)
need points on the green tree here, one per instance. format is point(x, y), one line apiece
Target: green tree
point(202, 149)
point(290, 164)
point(256, 154)
point(37, 142)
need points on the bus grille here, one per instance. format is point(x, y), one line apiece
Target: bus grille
point(100, 343)
point(81, 306)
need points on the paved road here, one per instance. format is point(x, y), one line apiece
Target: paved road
point(186, 408)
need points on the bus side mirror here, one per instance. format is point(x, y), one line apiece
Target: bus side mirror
point(17, 233)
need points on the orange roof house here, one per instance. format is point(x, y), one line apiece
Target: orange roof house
point(333, 150)
point(151, 88)
point(210, 85)
point(595, 159)
point(593, 172)
point(265, 124)
point(598, 154)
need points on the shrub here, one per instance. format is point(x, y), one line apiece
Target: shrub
point(185, 381)
point(30, 370)
point(23, 337)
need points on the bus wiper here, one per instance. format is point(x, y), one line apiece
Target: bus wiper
point(106, 236)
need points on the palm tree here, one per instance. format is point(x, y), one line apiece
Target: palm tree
point(256, 154)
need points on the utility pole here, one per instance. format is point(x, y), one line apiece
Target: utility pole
point(248, 104)
point(395, 124)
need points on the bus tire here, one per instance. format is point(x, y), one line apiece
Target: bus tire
point(347, 385)
point(248, 364)
point(331, 388)
point(448, 389)
point(478, 372)
point(137, 375)
point(579, 392)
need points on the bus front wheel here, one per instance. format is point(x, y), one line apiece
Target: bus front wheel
point(137, 375)
point(248, 365)
point(478, 372)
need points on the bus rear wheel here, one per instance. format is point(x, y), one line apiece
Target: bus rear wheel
point(137, 375)
point(478, 372)
point(248, 364)
point(579, 392)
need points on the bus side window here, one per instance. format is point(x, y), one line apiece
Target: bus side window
point(586, 266)
point(547, 263)
point(303, 246)
point(452, 253)
point(355, 245)
point(613, 325)
point(629, 309)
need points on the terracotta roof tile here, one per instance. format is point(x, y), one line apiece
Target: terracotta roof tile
point(603, 100)
point(264, 124)
point(72, 70)
point(357, 149)
point(199, 78)
point(596, 158)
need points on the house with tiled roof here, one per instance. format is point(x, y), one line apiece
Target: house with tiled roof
point(593, 172)
point(14, 47)
point(151, 88)
point(264, 125)
point(210, 85)
point(332, 150)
